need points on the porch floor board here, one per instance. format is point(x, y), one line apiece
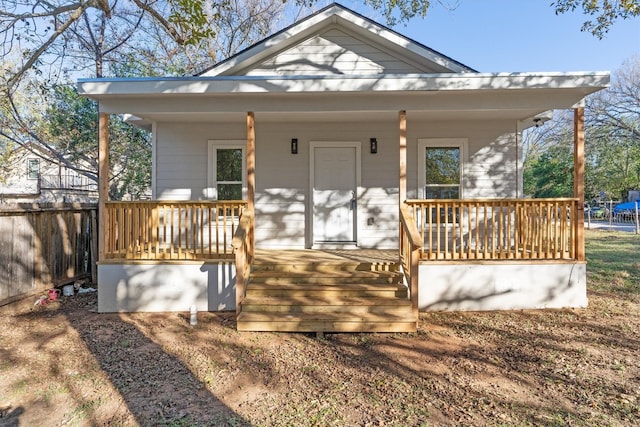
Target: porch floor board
point(326, 291)
point(282, 256)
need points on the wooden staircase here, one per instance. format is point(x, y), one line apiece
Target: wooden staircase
point(326, 296)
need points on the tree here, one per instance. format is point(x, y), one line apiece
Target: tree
point(548, 165)
point(614, 132)
point(604, 12)
point(612, 150)
point(40, 29)
point(122, 39)
point(70, 121)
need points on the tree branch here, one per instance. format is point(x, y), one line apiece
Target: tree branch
point(163, 22)
point(36, 55)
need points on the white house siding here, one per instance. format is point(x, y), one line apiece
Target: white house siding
point(182, 152)
point(490, 160)
point(282, 178)
point(333, 52)
point(282, 181)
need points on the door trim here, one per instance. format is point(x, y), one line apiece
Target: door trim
point(310, 207)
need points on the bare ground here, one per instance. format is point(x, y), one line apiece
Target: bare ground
point(64, 364)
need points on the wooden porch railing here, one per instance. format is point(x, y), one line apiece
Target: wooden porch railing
point(171, 230)
point(481, 229)
point(243, 248)
point(410, 247)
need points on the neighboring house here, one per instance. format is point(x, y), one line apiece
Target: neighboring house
point(338, 133)
point(32, 176)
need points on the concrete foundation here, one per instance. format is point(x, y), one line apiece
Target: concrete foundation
point(502, 286)
point(156, 287)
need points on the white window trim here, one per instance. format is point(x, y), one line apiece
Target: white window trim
point(214, 145)
point(423, 143)
point(29, 169)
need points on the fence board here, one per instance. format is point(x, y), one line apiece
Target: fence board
point(43, 247)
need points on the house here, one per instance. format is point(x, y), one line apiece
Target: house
point(333, 147)
point(31, 175)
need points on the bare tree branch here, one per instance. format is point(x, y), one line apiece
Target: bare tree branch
point(77, 14)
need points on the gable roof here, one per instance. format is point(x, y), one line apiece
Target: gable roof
point(328, 25)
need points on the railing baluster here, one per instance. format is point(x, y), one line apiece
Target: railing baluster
point(171, 230)
point(496, 228)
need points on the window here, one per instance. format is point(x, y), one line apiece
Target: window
point(227, 170)
point(440, 168)
point(33, 168)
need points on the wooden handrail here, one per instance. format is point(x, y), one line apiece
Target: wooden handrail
point(171, 230)
point(240, 236)
point(242, 244)
point(409, 224)
point(492, 229)
point(410, 246)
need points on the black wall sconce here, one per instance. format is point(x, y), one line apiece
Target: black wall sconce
point(373, 145)
point(294, 145)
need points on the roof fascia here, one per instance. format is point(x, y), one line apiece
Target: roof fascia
point(97, 88)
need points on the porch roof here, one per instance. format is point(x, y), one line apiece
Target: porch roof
point(516, 96)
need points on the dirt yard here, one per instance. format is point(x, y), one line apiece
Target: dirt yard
point(64, 364)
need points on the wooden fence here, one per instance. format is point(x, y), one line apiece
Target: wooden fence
point(44, 247)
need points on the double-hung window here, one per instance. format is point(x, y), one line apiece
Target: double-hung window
point(33, 168)
point(440, 168)
point(227, 170)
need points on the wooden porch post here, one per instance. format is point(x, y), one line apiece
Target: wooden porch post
point(251, 175)
point(103, 181)
point(251, 160)
point(403, 157)
point(578, 178)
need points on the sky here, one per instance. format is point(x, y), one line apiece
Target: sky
point(518, 36)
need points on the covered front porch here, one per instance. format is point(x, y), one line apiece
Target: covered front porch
point(490, 248)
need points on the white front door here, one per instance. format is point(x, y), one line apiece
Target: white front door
point(334, 192)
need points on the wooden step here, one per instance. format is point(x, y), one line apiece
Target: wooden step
point(314, 322)
point(332, 290)
point(346, 277)
point(324, 304)
point(326, 266)
point(326, 296)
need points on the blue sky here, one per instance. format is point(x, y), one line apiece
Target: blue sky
point(523, 35)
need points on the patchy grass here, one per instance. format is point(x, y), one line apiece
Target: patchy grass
point(614, 263)
point(63, 364)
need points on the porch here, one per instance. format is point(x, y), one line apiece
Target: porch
point(347, 290)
